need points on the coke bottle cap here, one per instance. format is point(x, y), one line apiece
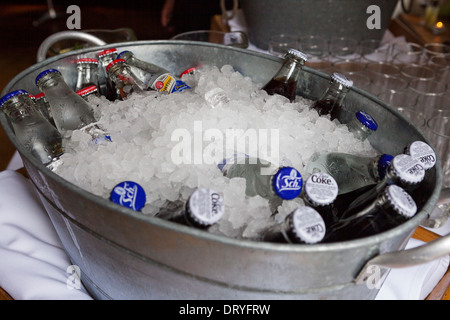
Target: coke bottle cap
point(367, 120)
point(287, 183)
point(422, 152)
point(44, 73)
point(114, 62)
point(87, 60)
point(383, 164)
point(306, 225)
point(297, 54)
point(204, 207)
point(87, 90)
point(10, 95)
point(407, 169)
point(321, 188)
point(106, 52)
point(342, 79)
point(400, 201)
point(129, 194)
point(122, 53)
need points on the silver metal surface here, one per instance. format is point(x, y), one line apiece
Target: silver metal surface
point(124, 254)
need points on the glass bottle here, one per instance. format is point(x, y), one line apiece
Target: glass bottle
point(422, 152)
point(129, 194)
point(124, 79)
point(350, 171)
point(87, 73)
point(302, 226)
point(362, 125)
point(106, 57)
point(265, 179)
point(286, 79)
point(330, 103)
point(44, 107)
point(32, 130)
point(153, 76)
point(320, 192)
point(391, 207)
point(70, 111)
point(404, 171)
point(204, 208)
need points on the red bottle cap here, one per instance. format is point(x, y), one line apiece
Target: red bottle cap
point(107, 51)
point(113, 63)
point(86, 90)
point(87, 60)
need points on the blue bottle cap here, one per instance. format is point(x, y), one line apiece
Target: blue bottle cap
point(129, 194)
point(287, 183)
point(45, 72)
point(383, 164)
point(367, 120)
point(8, 96)
point(120, 54)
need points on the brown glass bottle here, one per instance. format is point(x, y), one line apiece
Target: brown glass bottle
point(286, 79)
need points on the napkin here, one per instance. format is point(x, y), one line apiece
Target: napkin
point(33, 264)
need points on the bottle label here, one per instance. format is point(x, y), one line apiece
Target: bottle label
point(205, 206)
point(167, 83)
point(321, 188)
point(308, 225)
point(288, 183)
point(408, 168)
point(423, 153)
point(129, 194)
point(402, 201)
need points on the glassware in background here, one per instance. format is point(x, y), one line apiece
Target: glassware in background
point(279, 44)
point(369, 55)
point(236, 39)
point(399, 99)
point(429, 94)
point(438, 131)
point(382, 68)
point(414, 72)
point(408, 58)
point(441, 67)
point(343, 48)
point(361, 81)
point(405, 47)
point(415, 117)
point(383, 83)
point(436, 49)
point(348, 67)
point(316, 48)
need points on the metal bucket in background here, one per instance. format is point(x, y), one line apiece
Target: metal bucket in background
point(124, 254)
point(324, 18)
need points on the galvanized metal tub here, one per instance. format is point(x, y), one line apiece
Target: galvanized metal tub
point(124, 254)
point(325, 18)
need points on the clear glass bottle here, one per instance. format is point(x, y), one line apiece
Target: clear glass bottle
point(87, 73)
point(265, 179)
point(404, 171)
point(31, 128)
point(350, 171)
point(44, 107)
point(320, 192)
point(330, 103)
point(286, 79)
point(422, 152)
point(124, 79)
point(362, 125)
point(204, 208)
point(153, 76)
point(70, 111)
point(302, 226)
point(391, 207)
point(106, 57)
point(129, 194)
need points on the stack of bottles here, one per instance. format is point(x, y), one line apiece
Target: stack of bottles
point(345, 196)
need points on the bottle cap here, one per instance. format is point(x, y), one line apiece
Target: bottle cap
point(297, 54)
point(321, 188)
point(10, 95)
point(287, 183)
point(422, 152)
point(122, 53)
point(87, 60)
point(39, 96)
point(383, 164)
point(44, 73)
point(401, 201)
point(204, 207)
point(88, 90)
point(106, 52)
point(114, 62)
point(407, 169)
point(306, 225)
point(367, 120)
point(129, 194)
point(342, 79)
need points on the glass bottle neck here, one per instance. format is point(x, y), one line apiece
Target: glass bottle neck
point(87, 75)
point(335, 91)
point(19, 108)
point(290, 70)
